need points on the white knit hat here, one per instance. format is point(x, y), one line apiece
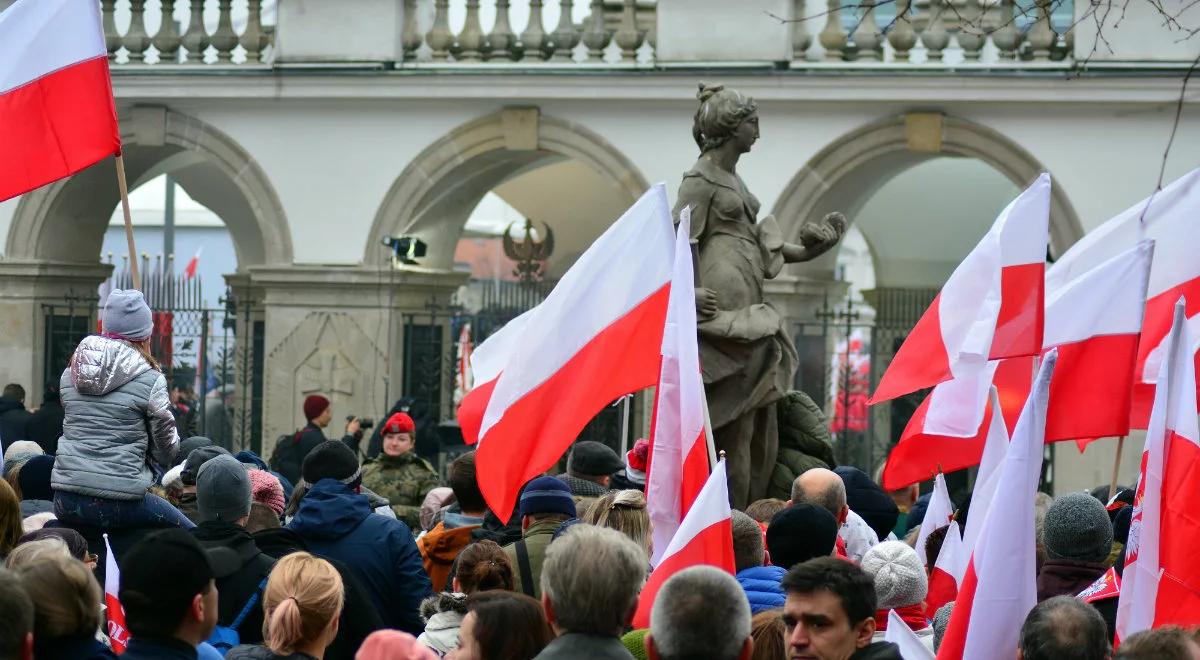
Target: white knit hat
point(899, 576)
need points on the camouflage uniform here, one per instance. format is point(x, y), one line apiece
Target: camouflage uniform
point(404, 480)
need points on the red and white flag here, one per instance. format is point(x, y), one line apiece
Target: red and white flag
point(189, 270)
point(705, 537)
point(999, 586)
point(1161, 582)
point(938, 513)
point(679, 459)
point(995, 447)
point(118, 634)
point(946, 572)
point(56, 106)
point(487, 361)
point(1171, 221)
point(990, 308)
point(595, 338)
point(910, 646)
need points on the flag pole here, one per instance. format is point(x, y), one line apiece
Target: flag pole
point(625, 403)
point(133, 266)
point(1112, 487)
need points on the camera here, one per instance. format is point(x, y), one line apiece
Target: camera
point(405, 249)
point(364, 423)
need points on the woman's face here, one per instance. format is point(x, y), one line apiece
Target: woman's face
point(747, 133)
point(396, 444)
point(468, 647)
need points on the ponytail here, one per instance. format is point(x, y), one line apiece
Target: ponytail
point(303, 597)
point(285, 628)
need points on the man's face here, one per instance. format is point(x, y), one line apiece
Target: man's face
point(323, 419)
point(817, 627)
point(396, 444)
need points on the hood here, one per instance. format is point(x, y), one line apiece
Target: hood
point(443, 545)
point(7, 404)
point(101, 365)
point(329, 510)
point(443, 602)
point(223, 534)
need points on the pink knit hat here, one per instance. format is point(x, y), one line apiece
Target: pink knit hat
point(393, 645)
point(266, 489)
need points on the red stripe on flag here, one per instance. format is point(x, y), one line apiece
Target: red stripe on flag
point(1178, 601)
point(471, 409)
point(713, 546)
point(56, 126)
point(1019, 325)
point(921, 362)
point(942, 590)
point(954, 640)
point(1155, 325)
point(695, 473)
point(534, 431)
point(1089, 395)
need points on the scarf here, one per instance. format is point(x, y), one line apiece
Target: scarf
point(913, 615)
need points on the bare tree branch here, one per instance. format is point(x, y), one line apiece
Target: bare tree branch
point(1162, 170)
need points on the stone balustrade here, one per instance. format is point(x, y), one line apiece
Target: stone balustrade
point(193, 32)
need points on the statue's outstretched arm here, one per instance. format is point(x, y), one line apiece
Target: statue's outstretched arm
point(816, 238)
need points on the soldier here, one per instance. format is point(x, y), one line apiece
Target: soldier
point(398, 473)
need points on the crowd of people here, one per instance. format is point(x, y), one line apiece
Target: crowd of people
point(318, 554)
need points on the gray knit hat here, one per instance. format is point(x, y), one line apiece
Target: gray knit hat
point(941, 620)
point(1077, 528)
point(222, 490)
point(127, 315)
point(899, 576)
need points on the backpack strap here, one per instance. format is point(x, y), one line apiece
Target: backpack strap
point(523, 567)
point(237, 622)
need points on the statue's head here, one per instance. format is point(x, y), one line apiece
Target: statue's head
point(724, 115)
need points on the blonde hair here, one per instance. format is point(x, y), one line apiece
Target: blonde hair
point(10, 519)
point(66, 597)
point(624, 511)
point(143, 348)
point(32, 551)
point(303, 597)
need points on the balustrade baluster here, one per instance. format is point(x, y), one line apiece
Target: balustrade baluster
point(112, 40)
point(470, 40)
point(533, 39)
point(136, 40)
point(195, 38)
point(866, 35)
point(971, 31)
point(1006, 38)
point(410, 36)
point(168, 38)
point(566, 37)
point(935, 38)
point(439, 37)
point(1042, 36)
point(596, 36)
point(833, 37)
point(254, 39)
point(502, 40)
point(225, 39)
point(628, 37)
point(801, 39)
point(902, 37)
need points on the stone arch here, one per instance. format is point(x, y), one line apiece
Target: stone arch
point(437, 191)
point(66, 220)
point(845, 174)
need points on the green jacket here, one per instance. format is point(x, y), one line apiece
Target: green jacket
point(536, 538)
point(404, 480)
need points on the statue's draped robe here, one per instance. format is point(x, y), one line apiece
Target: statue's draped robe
point(747, 358)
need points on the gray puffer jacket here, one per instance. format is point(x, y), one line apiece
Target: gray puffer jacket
point(117, 411)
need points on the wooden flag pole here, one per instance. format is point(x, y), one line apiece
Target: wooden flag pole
point(133, 262)
point(1112, 487)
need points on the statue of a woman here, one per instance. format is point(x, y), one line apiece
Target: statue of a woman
point(746, 354)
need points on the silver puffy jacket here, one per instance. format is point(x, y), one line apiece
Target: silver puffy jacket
point(117, 411)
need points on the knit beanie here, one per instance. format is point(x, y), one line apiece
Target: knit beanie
point(635, 643)
point(126, 315)
point(393, 645)
point(35, 478)
point(898, 573)
point(196, 460)
point(331, 459)
point(266, 489)
point(799, 533)
point(547, 495)
point(941, 619)
point(19, 452)
point(222, 490)
point(314, 405)
point(189, 445)
point(1077, 528)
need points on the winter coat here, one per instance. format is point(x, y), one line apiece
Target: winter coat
point(804, 442)
point(255, 652)
point(443, 614)
point(404, 480)
point(536, 538)
point(439, 548)
point(761, 584)
point(1064, 577)
point(234, 591)
point(85, 647)
point(335, 521)
point(573, 646)
point(187, 506)
point(359, 617)
point(117, 417)
point(45, 426)
point(582, 487)
point(878, 651)
point(306, 440)
point(13, 418)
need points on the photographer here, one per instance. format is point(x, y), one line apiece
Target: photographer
point(290, 451)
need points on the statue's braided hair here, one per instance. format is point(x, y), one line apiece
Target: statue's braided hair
point(721, 112)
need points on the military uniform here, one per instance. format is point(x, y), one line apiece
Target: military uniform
point(404, 480)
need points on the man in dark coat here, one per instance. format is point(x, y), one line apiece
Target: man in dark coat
point(45, 426)
point(1078, 538)
point(590, 468)
point(318, 411)
point(223, 506)
point(13, 415)
point(335, 520)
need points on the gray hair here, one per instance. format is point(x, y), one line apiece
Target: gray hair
point(592, 576)
point(832, 497)
point(31, 551)
point(1064, 628)
point(748, 550)
point(700, 612)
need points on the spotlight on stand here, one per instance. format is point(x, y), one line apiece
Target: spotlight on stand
point(405, 249)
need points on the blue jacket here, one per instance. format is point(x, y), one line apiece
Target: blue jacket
point(337, 522)
point(761, 584)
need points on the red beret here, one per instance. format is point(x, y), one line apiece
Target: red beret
point(399, 423)
point(314, 405)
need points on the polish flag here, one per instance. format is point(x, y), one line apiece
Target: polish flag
point(1169, 218)
point(118, 634)
point(56, 106)
point(487, 361)
point(946, 572)
point(678, 449)
point(910, 646)
point(999, 586)
point(595, 338)
point(1161, 582)
point(995, 447)
point(190, 269)
point(990, 308)
point(938, 514)
point(705, 537)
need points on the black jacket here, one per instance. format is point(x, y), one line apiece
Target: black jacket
point(359, 617)
point(878, 651)
point(13, 418)
point(45, 426)
point(251, 652)
point(236, 590)
point(303, 441)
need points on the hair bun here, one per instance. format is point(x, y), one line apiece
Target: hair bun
point(707, 91)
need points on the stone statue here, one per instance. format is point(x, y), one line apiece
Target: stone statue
point(746, 355)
